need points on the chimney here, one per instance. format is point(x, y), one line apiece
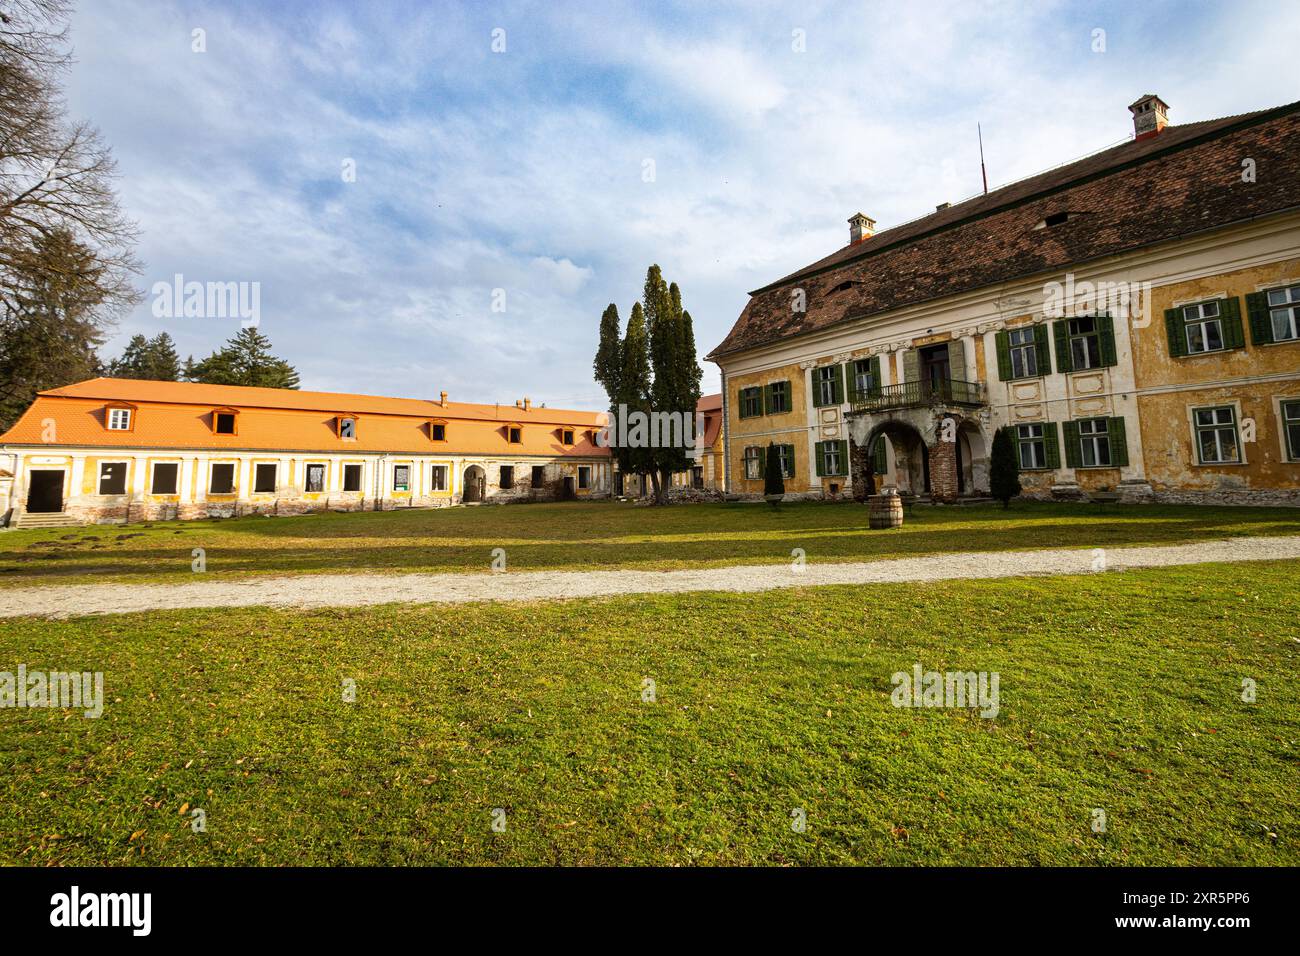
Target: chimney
point(528, 403)
point(1148, 116)
point(443, 400)
point(860, 227)
point(942, 206)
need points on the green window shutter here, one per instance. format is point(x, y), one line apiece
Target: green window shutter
point(1051, 446)
point(840, 391)
point(875, 375)
point(1106, 330)
point(819, 459)
point(740, 403)
point(844, 456)
point(1261, 326)
point(789, 396)
point(1118, 441)
point(957, 359)
point(880, 461)
point(1233, 335)
point(1176, 331)
point(1061, 332)
point(816, 388)
point(1003, 340)
point(911, 366)
point(789, 458)
point(767, 399)
point(1073, 458)
point(1044, 350)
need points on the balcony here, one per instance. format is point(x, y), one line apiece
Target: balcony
point(948, 391)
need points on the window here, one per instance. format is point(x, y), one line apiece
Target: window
point(515, 434)
point(112, 478)
point(1216, 435)
point(1033, 447)
point(751, 402)
point(351, 477)
point(1284, 313)
point(826, 385)
point(119, 419)
point(401, 477)
point(438, 430)
point(753, 462)
point(567, 436)
point(1094, 443)
point(1085, 343)
point(438, 478)
point(1024, 353)
point(315, 478)
point(348, 429)
point(864, 377)
point(832, 457)
point(264, 478)
point(1204, 328)
point(225, 423)
point(222, 481)
point(538, 476)
point(785, 453)
point(584, 476)
point(165, 479)
point(507, 476)
point(778, 398)
point(1291, 428)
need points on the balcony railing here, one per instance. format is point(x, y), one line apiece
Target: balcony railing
point(949, 391)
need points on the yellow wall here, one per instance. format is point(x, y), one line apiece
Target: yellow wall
point(786, 428)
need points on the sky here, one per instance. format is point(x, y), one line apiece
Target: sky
point(444, 197)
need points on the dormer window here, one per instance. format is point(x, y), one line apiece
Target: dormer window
point(437, 431)
point(566, 436)
point(1056, 219)
point(515, 434)
point(119, 419)
point(843, 286)
point(346, 425)
point(225, 421)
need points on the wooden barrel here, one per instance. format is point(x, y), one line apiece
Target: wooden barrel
point(886, 511)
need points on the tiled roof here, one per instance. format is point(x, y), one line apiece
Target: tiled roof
point(711, 407)
point(179, 415)
point(1185, 180)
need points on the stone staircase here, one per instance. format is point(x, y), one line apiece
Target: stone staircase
point(55, 519)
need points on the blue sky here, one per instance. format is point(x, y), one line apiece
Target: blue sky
point(523, 170)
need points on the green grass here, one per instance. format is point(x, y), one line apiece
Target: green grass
point(593, 535)
point(1119, 691)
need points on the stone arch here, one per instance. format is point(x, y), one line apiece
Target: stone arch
point(908, 455)
point(475, 484)
point(974, 457)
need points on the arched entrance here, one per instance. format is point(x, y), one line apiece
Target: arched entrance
point(907, 458)
point(972, 459)
point(475, 484)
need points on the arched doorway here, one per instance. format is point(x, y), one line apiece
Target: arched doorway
point(973, 459)
point(475, 484)
point(910, 471)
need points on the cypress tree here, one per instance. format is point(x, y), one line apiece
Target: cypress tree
point(1004, 467)
point(773, 482)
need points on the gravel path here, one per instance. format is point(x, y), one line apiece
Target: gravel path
point(340, 590)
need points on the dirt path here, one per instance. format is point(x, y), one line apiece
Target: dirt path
point(341, 590)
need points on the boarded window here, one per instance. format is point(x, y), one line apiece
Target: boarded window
point(539, 475)
point(264, 478)
point(315, 478)
point(507, 476)
point(164, 479)
point(401, 477)
point(223, 479)
point(112, 478)
point(584, 476)
point(351, 477)
point(225, 423)
point(438, 478)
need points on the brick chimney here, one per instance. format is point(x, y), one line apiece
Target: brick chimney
point(1149, 116)
point(860, 227)
point(528, 403)
point(443, 400)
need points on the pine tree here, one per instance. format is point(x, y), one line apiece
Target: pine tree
point(164, 363)
point(1004, 467)
point(245, 360)
point(153, 359)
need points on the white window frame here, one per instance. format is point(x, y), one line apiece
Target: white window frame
point(1279, 409)
point(434, 484)
point(343, 475)
point(1072, 336)
point(99, 479)
point(307, 466)
point(1288, 303)
point(1235, 408)
point(393, 484)
point(825, 384)
point(757, 459)
point(1196, 316)
point(831, 452)
point(275, 479)
point(1032, 441)
point(153, 467)
point(785, 460)
point(584, 485)
point(234, 477)
point(1093, 439)
point(1025, 352)
point(125, 421)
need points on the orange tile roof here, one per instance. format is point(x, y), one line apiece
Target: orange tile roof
point(179, 415)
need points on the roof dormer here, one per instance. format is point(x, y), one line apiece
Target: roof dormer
point(225, 421)
point(345, 426)
point(119, 416)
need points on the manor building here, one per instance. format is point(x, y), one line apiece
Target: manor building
point(1133, 317)
point(120, 449)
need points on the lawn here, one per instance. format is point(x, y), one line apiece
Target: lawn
point(593, 535)
point(1119, 692)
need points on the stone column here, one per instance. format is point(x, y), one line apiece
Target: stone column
point(860, 470)
point(943, 464)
